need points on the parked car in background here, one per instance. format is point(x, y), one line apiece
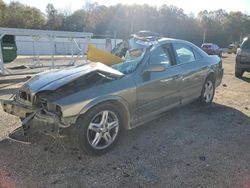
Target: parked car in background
point(97, 102)
point(232, 48)
point(211, 49)
point(243, 58)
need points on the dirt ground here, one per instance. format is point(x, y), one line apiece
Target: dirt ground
point(187, 147)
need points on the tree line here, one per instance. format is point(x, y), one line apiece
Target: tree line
point(120, 21)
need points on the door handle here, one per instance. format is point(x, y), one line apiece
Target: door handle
point(178, 77)
point(167, 79)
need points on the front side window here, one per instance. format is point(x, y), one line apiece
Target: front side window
point(184, 53)
point(132, 58)
point(159, 56)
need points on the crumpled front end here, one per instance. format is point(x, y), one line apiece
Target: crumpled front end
point(15, 108)
point(21, 105)
point(50, 113)
point(47, 98)
point(46, 117)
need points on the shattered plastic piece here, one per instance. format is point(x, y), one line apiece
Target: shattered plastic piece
point(97, 55)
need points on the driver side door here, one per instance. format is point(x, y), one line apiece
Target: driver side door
point(158, 90)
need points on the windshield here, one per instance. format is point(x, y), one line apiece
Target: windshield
point(131, 59)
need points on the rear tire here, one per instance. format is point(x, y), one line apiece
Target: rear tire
point(98, 131)
point(207, 92)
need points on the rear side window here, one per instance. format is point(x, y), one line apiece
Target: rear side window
point(184, 53)
point(246, 44)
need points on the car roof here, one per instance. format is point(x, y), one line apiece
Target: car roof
point(171, 40)
point(164, 40)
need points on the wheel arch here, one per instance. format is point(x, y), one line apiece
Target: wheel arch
point(210, 74)
point(118, 101)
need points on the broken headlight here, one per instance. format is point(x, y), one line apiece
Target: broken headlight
point(51, 108)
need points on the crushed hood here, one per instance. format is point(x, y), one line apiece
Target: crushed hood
point(52, 80)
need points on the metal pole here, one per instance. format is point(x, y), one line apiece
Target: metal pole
point(34, 51)
point(52, 40)
point(85, 60)
point(115, 36)
point(37, 51)
point(72, 49)
point(72, 42)
point(1, 56)
point(204, 35)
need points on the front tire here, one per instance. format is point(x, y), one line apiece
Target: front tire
point(99, 130)
point(207, 93)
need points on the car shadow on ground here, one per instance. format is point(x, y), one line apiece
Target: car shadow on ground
point(180, 143)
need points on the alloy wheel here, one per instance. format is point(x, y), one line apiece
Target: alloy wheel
point(103, 129)
point(208, 91)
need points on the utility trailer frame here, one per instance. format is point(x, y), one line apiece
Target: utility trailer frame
point(36, 35)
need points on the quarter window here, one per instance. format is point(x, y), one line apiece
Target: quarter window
point(184, 53)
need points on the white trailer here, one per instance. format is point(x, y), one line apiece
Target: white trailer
point(51, 36)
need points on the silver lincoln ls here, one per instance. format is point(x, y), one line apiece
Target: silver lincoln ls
point(97, 102)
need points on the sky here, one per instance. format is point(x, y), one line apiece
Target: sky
point(189, 6)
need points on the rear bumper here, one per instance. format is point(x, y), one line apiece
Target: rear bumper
point(15, 108)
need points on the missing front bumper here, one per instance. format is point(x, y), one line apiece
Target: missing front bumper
point(15, 108)
point(36, 120)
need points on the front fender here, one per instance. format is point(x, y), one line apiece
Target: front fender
point(110, 98)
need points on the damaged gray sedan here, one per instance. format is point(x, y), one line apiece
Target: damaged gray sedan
point(97, 102)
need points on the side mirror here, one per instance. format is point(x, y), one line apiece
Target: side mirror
point(155, 68)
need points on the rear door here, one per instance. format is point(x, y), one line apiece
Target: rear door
point(193, 71)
